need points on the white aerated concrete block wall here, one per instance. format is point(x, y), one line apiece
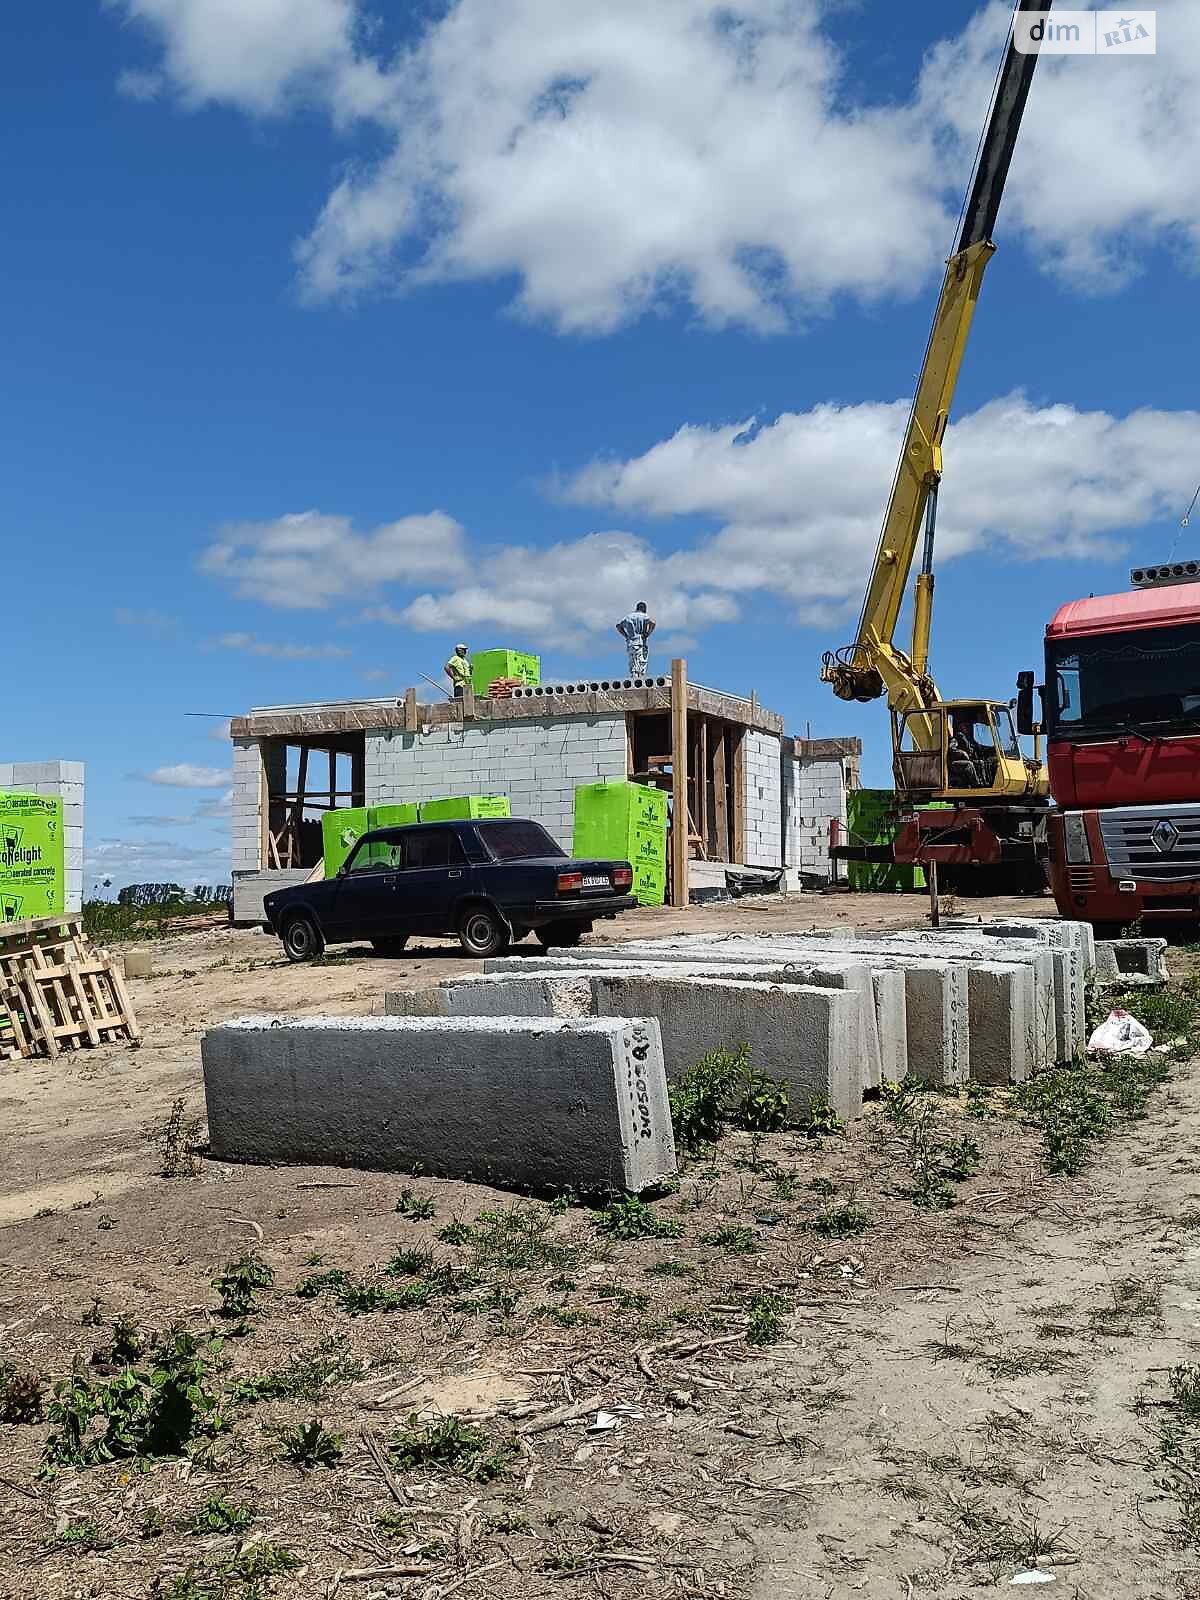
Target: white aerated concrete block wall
point(65, 779)
point(247, 806)
point(814, 795)
point(762, 800)
point(538, 763)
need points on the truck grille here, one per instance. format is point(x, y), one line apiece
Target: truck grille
point(1130, 836)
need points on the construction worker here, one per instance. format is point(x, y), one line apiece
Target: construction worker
point(458, 670)
point(636, 629)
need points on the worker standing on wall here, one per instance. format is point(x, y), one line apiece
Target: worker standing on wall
point(636, 629)
point(458, 670)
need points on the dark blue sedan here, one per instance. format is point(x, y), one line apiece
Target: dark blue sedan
point(490, 882)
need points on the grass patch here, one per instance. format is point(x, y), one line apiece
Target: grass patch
point(632, 1218)
point(734, 1239)
point(416, 1207)
point(304, 1376)
point(765, 1325)
point(451, 1445)
point(841, 1222)
point(310, 1444)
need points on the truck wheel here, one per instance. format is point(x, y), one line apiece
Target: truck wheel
point(560, 935)
point(302, 939)
point(481, 932)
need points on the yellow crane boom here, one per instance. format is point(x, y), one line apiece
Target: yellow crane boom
point(875, 665)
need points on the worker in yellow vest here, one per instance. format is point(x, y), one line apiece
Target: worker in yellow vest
point(458, 670)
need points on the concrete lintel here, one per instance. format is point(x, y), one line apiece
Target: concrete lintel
point(530, 1103)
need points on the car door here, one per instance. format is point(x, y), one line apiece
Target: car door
point(435, 876)
point(365, 901)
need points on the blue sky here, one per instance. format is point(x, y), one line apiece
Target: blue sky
point(460, 294)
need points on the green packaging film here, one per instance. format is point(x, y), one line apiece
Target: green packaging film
point(31, 856)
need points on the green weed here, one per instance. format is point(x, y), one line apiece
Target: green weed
point(417, 1208)
point(734, 1239)
point(218, 1515)
point(310, 1444)
point(841, 1222)
point(632, 1218)
point(237, 1282)
point(820, 1119)
point(177, 1140)
point(723, 1088)
point(305, 1376)
point(453, 1445)
point(767, 1312)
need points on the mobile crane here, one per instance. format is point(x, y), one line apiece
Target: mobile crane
point(966, 795)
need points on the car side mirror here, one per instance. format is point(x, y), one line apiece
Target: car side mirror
point(1026, 722)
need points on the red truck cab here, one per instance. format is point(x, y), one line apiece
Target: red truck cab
point(1121, 712)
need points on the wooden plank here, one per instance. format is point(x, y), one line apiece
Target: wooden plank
point(721, 800)
point(35, 1008)
point(702, 784)
point(679, 783)
point(411, 723)
point(126, 1005)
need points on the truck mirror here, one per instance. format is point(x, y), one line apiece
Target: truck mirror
point(1025, 718)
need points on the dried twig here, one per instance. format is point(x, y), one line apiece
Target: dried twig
point(376, 1452)
point(555, 1419)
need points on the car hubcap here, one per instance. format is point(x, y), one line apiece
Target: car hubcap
point(479, 930)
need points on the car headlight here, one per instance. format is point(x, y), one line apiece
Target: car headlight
point(1075, 838)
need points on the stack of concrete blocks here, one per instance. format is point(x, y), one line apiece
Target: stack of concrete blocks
point(762, 802)
point(990, 1002)
point(815, 1029)
point(512, 1100)
point(537, 762)
point(817, 776)
point(65, 779)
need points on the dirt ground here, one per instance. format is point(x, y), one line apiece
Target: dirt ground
point(938, 1403)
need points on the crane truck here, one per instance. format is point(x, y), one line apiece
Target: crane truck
point(1120, 708)
point(968, 798)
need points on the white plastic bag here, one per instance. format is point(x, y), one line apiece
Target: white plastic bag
point(1120, 1035)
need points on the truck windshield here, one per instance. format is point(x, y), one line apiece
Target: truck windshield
point(1148, 678)
point(517, 841)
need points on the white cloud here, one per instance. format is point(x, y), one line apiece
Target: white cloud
point(611, 156)
point(122, 861)
point(151, 621)
point(185, 775)
point(208, 810)
point(567, 592)
point(259, 55)
point(217, 809)
point(252, 645)
point(306, 559)
point(135, 85)
point(801, 499)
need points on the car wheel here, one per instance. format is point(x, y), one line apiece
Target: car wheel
point(481, 932)
point(390, 947)
point(302, 939)
point(560, 935)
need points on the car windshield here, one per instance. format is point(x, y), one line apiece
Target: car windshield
point(517, 841)
point(1146, 678)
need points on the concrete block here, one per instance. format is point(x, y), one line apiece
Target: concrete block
point(1061, 934)
point(806, 1037)
point(1004, 1036)
point(139, 963)
point(532, 1103)
point(811, 1037)
point(1131, 962)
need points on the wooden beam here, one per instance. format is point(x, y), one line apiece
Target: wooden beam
point(410, 711)
point(702, 785)
point(679, 783)
point(721, 800)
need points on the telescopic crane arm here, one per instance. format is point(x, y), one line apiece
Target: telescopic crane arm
point(874, 665)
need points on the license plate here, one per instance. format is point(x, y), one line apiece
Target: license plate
point(593, 880)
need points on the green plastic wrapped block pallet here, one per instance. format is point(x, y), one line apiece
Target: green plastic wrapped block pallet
point(394, 816)
point(463, 807)
point(489, 665)
point(340, 832)
point(870, 820)
point(608, 817)
point(31, 856)
point(649, 885)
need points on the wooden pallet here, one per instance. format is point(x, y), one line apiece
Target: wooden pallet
point(59, 993)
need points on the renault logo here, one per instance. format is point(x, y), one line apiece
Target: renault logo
point(1164, 836)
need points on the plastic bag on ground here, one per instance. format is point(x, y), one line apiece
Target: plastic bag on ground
point(1120, 1035)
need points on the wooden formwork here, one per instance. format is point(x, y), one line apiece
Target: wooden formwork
point(57, 992)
